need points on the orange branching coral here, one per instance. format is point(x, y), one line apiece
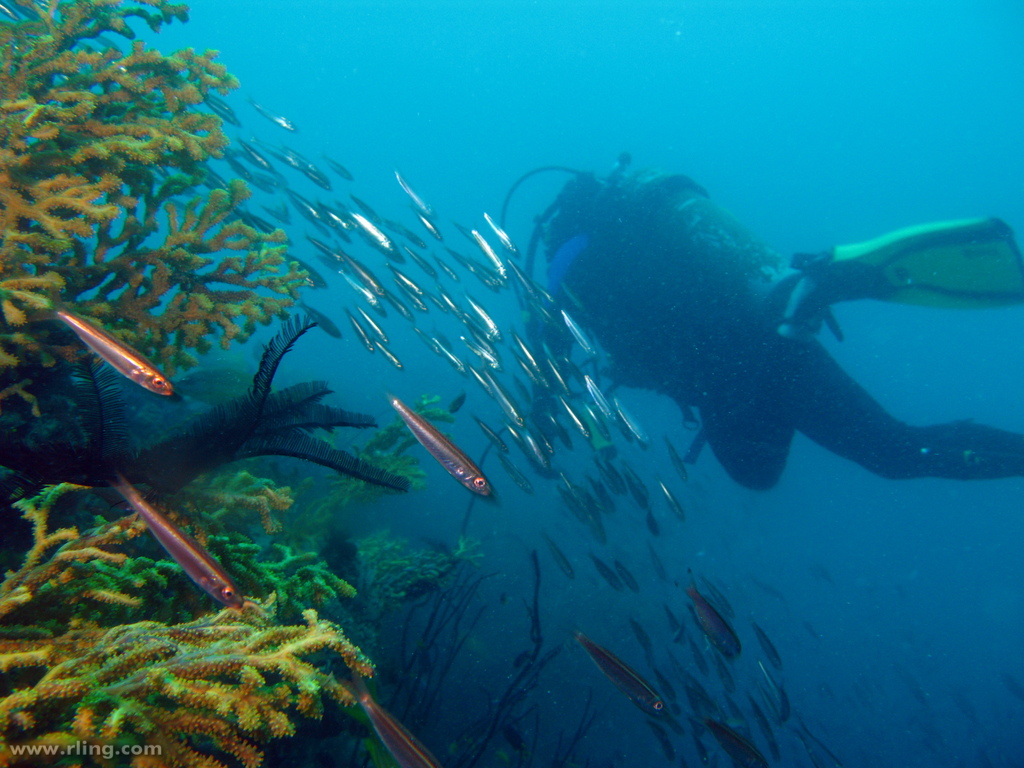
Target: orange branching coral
point(22, 290)
point(95, 143)
point(18, 294)
point(63, 574)
point(224, 685)
point(196, 295)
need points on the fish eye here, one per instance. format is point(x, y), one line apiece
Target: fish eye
point(659, 705)
point(479, 483)
point(228, 594)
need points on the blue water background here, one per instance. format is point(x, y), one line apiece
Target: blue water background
point(816, 123)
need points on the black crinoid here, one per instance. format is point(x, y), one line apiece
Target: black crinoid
point(261, 423)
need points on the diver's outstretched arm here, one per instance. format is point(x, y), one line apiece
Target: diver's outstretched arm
point(838, 414)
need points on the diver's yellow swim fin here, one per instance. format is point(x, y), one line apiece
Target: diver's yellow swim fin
point(969, 264)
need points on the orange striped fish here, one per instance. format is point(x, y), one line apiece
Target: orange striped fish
point(123, 358)
point(625, 677)
point(403, 746)
point(192, 556)
point(448, 455)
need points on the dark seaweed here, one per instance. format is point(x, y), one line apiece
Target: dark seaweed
point(261, 423)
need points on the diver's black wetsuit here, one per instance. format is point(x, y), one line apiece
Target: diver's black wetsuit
point(749, 418)
point(679, 295)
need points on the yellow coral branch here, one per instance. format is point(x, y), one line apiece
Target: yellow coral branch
point(93, 147)
point(20, 390)
point(226, 682)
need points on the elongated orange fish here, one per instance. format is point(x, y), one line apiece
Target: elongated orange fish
point(125, 360)
point(448, 455)
point(192, 556)
point(403, 746)
point(624, 676)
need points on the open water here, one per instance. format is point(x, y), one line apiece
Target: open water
point(896, 606)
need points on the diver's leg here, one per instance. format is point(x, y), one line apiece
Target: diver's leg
point(838, 414)
point(750, 438)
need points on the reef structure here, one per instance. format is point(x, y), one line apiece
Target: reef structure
point(194, 693)
point(102, 149)
point(261, 423)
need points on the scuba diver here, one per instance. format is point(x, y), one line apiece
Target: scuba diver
point(687, 302)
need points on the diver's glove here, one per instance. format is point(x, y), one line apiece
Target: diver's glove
point(808, 306)
point(822, 282)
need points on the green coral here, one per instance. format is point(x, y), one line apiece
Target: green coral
point(300, 580)
point(228, 498)
point(87, 579)
point(71, 578)
point(469, 549)
point(391, 574)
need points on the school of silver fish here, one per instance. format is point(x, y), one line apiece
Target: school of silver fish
point(547, 380)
